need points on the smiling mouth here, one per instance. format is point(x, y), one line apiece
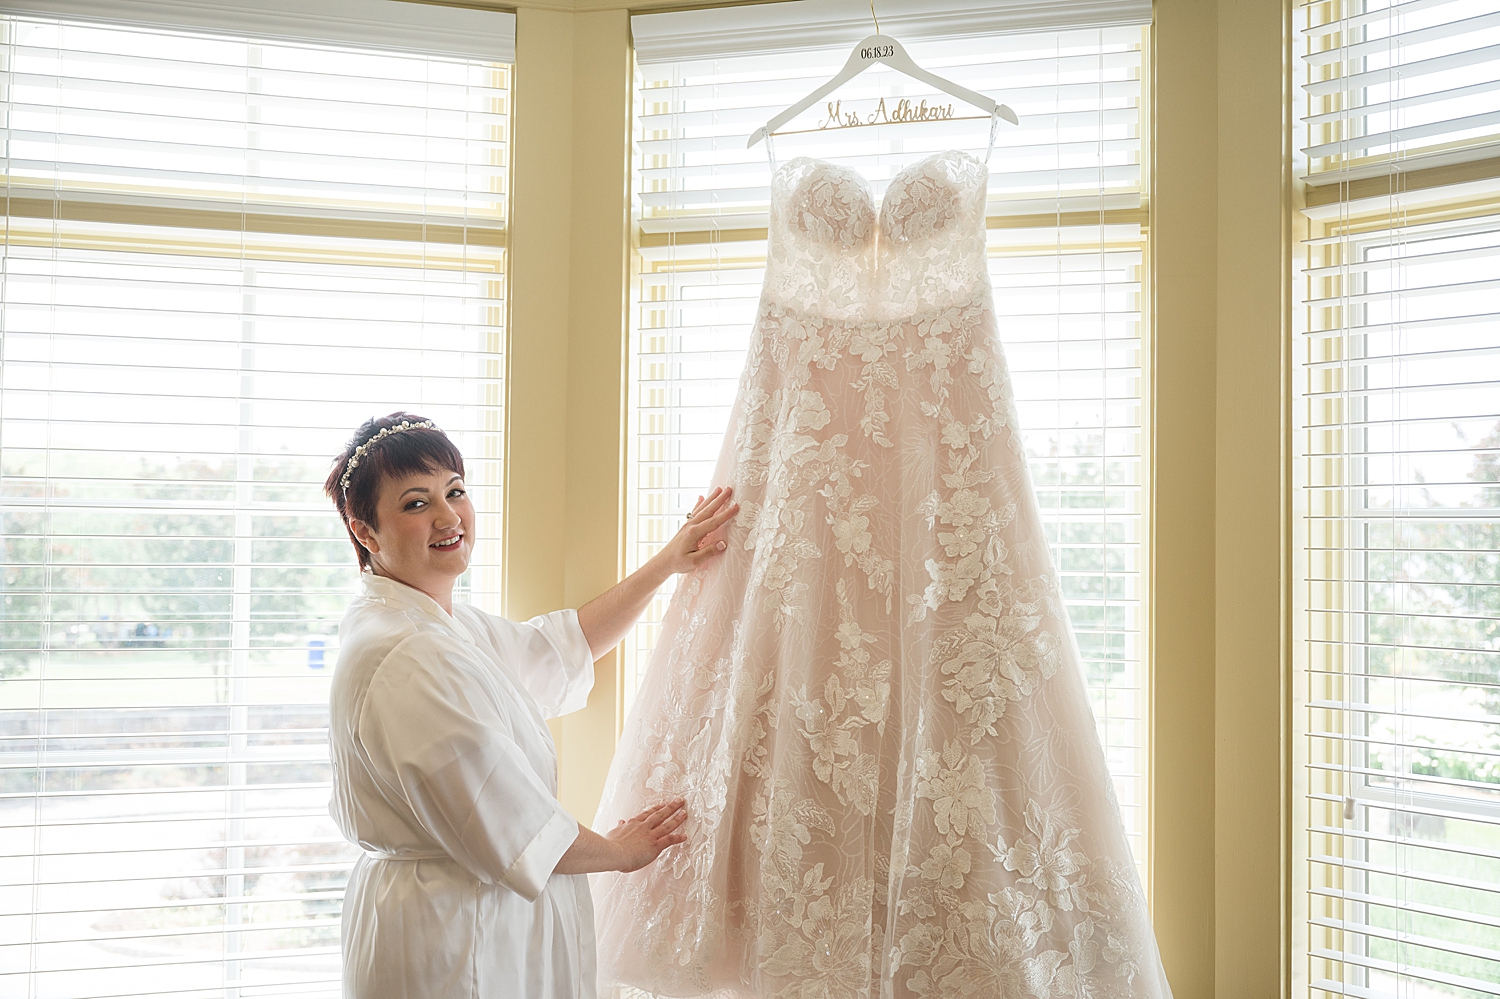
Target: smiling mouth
point(447, 544)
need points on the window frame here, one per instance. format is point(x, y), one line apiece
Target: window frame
point(1143, 802)
point(1353, 208)
point(153, 222)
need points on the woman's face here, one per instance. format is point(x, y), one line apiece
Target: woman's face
point(426, 532)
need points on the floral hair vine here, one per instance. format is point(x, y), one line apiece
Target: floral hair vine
point(359, 452)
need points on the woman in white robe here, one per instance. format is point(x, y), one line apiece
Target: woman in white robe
point(473, 880)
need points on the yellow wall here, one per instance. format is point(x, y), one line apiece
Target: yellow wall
point(1183, 235)
point(1251, 654)
point(569, 247)
point(1220, 274)
point(1219, 229)
point(540, 266)
point(598, 340)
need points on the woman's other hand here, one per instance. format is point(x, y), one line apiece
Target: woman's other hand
point(630, 845)
point(641, 840)
point(699, 539)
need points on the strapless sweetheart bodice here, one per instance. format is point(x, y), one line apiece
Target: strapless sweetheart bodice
point(834, 252)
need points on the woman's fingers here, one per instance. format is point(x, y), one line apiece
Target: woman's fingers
point(705, 553)
point(703, 528)
point(648, 818)
point(664, 822)
point(649, 833)
point(708, 507)
point(668, 833)
point(656, 815)
point(701, 551)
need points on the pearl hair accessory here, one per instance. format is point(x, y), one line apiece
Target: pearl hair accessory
point(385, 432)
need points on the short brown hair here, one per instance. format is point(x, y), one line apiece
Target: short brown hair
point(423, 450)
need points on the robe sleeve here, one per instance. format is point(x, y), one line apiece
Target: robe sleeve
point(442, 746)
point(550, 657)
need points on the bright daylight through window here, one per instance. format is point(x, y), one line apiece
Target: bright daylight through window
point(222, 253)
point(1067, 249)
point(1397, 370)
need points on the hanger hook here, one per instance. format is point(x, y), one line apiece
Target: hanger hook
point(874, 18)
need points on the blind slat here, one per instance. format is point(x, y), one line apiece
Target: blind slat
point(1458, 786)
point(1365, 708)
point(1410, 971)
point(812, 28)
point(1375, 15)
point(310, 989)
point(222, 930)
point(188, 847)
point(242, 957)
point(197, 903)
point(1345, 737)
point(1405, 71)
point(388, 30)
point(1383, 44)
point(1405, 873)
point(1396, 803)
point(1363, 929)
point(1367, 837)
point(197, 872)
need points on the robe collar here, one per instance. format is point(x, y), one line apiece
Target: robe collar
point(385, 590)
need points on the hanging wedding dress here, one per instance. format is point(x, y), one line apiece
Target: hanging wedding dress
point(873, 702)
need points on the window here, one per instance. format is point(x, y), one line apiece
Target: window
point(1398, 526)
point(223, 251)
point(1067, 244)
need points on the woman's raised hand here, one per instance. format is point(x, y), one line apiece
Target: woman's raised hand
point(695, 543)
point(607, 618)
point(642, 839)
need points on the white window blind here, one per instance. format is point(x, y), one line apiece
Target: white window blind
point(1067, 235)
point(222, 252)
point(1395, 85)
point(1398, 526)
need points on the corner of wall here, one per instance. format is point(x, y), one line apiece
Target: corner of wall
point(539, 261)
point(1249, 485)
point(598, 335)
point(1184, 208)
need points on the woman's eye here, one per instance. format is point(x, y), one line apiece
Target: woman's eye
point(455, 494)
point(416, 504)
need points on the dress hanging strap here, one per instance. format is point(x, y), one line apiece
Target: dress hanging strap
point(771, 150)
point(994, 128)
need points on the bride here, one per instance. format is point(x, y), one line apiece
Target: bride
point(471, 882)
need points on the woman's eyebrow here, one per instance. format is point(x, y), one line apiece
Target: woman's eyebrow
point(423, 489)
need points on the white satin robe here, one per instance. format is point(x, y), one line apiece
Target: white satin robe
point(446, 775)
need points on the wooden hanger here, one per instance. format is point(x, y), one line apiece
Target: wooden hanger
point(879, 48)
